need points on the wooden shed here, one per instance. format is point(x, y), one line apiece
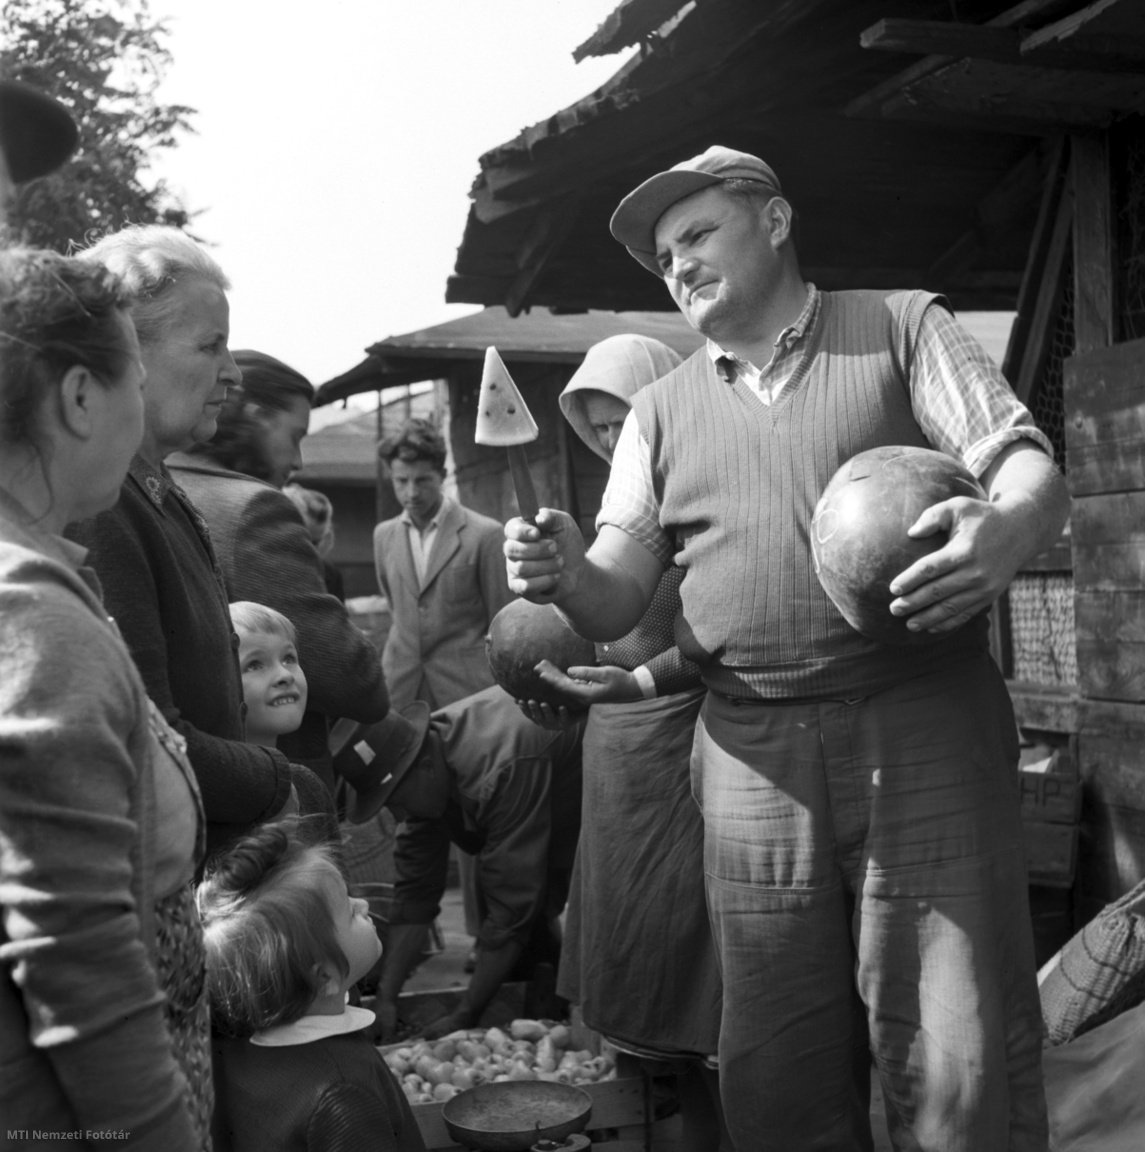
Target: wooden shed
point(341, 461)
point(993, 151)
point(541, 351)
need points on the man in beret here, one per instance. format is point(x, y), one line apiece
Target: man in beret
point(864, 862)
point(479, 775)
point(36, 136)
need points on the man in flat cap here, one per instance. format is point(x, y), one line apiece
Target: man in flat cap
point(36, 136)
point(862, 834)
point(479, 775)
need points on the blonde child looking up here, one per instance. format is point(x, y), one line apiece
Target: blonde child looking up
point(274, 686)
point(285, 943)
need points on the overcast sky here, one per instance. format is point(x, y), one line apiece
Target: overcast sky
point(337, 142)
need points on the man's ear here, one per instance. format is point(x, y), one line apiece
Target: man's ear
point(779, 216)
point(76, 399)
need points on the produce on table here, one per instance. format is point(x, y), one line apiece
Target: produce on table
point(434, 1070)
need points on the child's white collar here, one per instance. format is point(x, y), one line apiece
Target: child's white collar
point(311, 1028)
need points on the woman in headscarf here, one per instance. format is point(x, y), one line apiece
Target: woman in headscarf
point(103, 1012)
point(264, 549)
point(638, 955)
point(153, 550)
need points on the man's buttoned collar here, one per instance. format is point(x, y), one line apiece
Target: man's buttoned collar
point(727, 363)
point(408, 520)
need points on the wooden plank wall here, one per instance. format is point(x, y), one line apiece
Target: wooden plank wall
point(1105, 443)
point(1112, 848)
point(483, 480)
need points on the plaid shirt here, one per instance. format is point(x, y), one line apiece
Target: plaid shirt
point(961, 401)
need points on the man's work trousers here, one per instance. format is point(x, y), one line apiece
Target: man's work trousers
point(873, 844)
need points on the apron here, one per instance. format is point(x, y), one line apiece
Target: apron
point(638, 954)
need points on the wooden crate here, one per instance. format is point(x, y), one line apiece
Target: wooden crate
point(1051, 811)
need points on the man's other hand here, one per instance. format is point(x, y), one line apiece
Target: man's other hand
point(543, 562)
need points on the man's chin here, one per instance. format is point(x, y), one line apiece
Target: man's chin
point(706, 321)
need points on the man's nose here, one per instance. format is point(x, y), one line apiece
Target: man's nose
point(683, 267)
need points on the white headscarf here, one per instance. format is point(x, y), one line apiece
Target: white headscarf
point(619, 366)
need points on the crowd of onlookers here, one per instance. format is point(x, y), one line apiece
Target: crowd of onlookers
point(187, 713)
point(790, 862)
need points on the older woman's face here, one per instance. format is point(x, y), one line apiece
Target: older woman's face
point(189, 369)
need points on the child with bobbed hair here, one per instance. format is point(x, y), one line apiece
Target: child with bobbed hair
point(285, 943)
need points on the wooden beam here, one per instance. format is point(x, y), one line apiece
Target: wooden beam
point(1088, 52)
point(1057, 174)
point(1003, 45)
point(548, 231)
point(1043, 708)
point(1047, 303)
point(943, 38)
point(1105, 421)
point(475, 290)
point(996, 213)
point(1069, 25)
point(994, 113)
point(870, 102)
point(1092, 243)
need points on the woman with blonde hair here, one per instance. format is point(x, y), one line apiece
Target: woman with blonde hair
point(153, 550)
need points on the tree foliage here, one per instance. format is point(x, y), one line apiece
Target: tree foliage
point(104, 60)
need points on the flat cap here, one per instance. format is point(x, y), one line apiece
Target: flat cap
point(634, 221)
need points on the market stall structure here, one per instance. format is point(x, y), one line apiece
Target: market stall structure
point(991, 151)
point(541, 349)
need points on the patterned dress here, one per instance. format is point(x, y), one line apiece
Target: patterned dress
point(180, 956)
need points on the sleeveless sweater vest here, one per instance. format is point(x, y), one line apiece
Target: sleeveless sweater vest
point(737, 482)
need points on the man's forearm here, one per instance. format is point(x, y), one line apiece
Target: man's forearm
point(1024, 484)
point(608, 601)
point(403, 946)
point(493, 968)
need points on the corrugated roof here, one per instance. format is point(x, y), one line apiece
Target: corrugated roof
point(346, 451)
point(628, 25)
point(536, 336)
point(919, 164)
point(539, 334)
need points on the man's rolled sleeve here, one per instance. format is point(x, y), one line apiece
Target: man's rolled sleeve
point(960, 398)
point(630, 502)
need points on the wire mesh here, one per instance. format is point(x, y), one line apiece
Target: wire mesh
point(1128, 167)
point(1042, 635)
point(1047, 405)
point(1043, 644)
